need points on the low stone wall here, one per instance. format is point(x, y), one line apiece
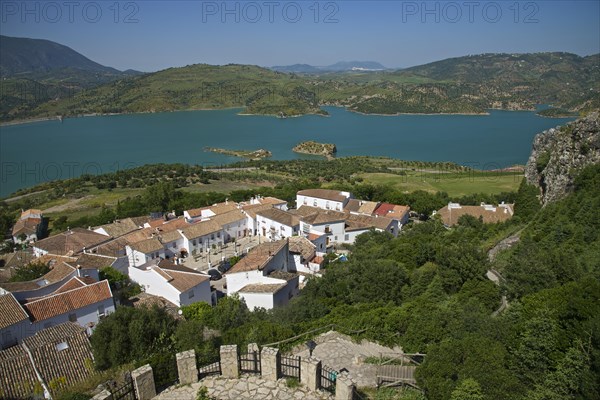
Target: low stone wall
point(270, 367)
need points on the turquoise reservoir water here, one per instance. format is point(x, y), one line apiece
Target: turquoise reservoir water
point(42, 151)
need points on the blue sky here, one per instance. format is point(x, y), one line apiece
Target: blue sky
point(152, 35)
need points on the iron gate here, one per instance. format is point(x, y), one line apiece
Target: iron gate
point(290, 367)
point(250, 362)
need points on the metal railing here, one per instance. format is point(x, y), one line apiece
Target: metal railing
point(210, 369)
point(125, 391)
point(250, 362)
point(290, 367)
point(327, 379)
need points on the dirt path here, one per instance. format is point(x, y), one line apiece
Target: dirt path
point(70, 205)
point(494, 275)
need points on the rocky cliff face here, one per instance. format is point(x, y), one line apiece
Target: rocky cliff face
point(559, 153)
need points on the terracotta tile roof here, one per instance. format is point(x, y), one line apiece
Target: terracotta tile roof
point(489, 214)
point(114, 248)
point(383, 209)
point(172, 225)
point(17, 374)
point(88, 280)
point(399, 212)
point(314, 236)
point(71, 242)
point(31, 211)
point(73, 283)
point(59, 272)
point(16, 259)
point(327, 194)
point(393, 211)
point(318, 216)
point(52, 259)
point(138, 236)
point(200, 229)
point(171, 236)
point(11, 311)
point(367, 207)
point(62, 303)
point(361, 206)
point(229, 217)
point(26, 226)
point(222, 208)
point(217, 209)
point(61, 351)
point(252, 209)
point(271, 200)
point(94, 261)
point(352, 206)
point(195, 212)
point(283, 275)
point(147, 246)
point(280, 216)
point(140, 221)
point(262, 288)
point(302, 246)
point(120, 227)
point(258, 257)
point(149, 300)
point(359, 222)
point(317, 260)
point(180, 277)
point(153, 223)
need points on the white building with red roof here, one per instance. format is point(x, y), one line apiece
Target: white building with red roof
point(79, 300)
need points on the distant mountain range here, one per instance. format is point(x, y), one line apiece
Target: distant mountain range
point(34, 71)
point(22, 56)
point(41, 79)
point(342, 66)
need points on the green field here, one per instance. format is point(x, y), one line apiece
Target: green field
point(455, 184)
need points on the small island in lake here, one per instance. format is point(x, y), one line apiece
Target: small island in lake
point(249, 154)
point(320, 149)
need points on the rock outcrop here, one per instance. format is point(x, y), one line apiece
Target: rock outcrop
point(560, 153)
point(320, 149)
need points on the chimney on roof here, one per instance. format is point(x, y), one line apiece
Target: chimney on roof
point(78, 270)
point(226, 200)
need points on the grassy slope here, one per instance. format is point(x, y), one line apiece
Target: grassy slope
point(455, 184)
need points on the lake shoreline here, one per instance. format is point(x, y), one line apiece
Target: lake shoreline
point(98, 145)
point(241, 113)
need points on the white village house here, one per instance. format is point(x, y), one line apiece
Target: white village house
point(75, 301)
point(323, 198)
point(263, 278)
point(178, 284)
point(276, 224)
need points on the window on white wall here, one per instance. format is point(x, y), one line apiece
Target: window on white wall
point(315, 203)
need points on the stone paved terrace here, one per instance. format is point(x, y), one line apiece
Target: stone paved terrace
point(246, 388)
point(338, 351)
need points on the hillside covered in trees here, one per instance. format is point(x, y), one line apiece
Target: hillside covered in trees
point(462, 85)
point(426, 291)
